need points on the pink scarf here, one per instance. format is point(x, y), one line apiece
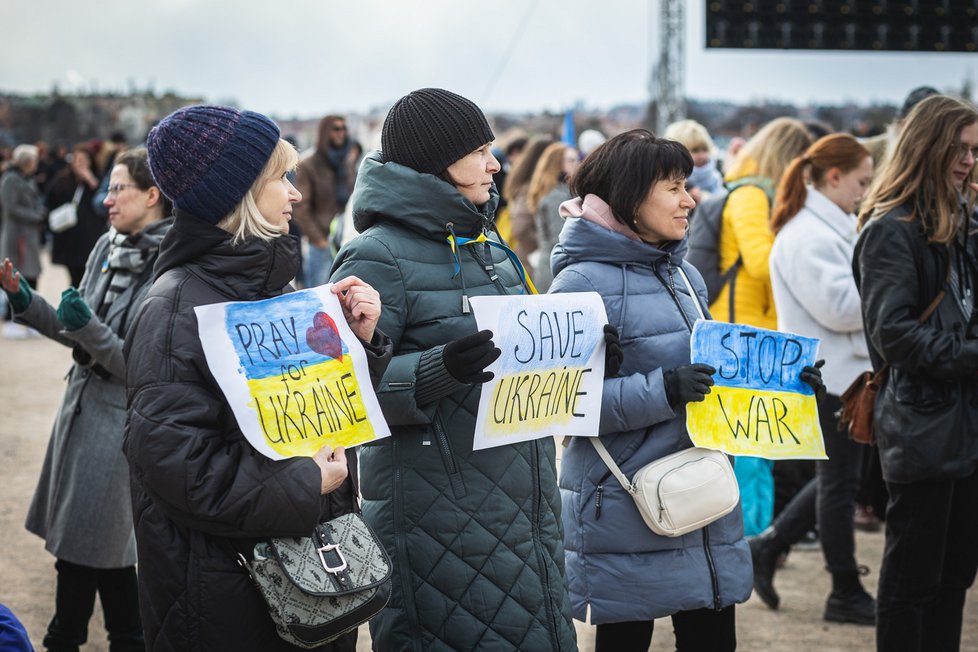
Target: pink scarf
point(594, 209)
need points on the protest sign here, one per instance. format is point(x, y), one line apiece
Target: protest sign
point(549, 377)
point(293, 372)
point(759, 405)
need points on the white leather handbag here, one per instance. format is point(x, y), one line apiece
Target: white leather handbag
point(682, 491)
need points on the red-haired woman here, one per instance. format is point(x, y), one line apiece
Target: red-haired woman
point(815, 295)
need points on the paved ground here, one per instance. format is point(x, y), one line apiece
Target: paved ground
point(31, 384)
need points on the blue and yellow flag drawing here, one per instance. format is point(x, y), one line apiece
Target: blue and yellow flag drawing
point(293, 372)
point(759, 405)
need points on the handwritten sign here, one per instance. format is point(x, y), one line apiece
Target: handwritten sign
point(549, 377)
point(293, 372)
point(759, 405)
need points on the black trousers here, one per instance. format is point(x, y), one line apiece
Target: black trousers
point(75, 601)
point(699, 630)
point(830, 497)
point(929, 562)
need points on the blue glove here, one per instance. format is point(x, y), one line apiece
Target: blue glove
point(20, 299)
point(73, 312)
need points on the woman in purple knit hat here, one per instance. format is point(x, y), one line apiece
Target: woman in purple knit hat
point(200, 492)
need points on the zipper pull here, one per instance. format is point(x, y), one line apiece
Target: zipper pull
point(597, 502)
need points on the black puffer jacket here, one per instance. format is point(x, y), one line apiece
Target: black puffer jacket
point(926, 413)
point(200, 492)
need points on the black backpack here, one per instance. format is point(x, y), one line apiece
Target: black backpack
point(704, 237)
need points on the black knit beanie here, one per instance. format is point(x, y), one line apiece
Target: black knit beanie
point(429, 129)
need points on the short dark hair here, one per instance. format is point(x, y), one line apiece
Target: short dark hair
point(136, 162)
point(622, 170)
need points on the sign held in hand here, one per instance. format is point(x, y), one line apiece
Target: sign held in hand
point(549, 377)
point(294, 373)
point(759, 405)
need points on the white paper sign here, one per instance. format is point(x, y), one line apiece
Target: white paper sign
point(549, 378)
point(293, 372)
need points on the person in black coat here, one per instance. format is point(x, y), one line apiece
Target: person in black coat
point(917, 248)
point(201, 494)
point(76, 183)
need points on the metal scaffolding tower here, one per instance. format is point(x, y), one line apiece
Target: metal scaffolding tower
point(667, 84)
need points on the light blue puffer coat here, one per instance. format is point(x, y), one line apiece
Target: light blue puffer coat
point(615, 565)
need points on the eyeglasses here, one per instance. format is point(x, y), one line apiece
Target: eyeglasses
point(116, 188)
point(338, 128)
point(964, 150)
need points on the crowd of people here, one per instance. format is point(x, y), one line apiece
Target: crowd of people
point(150, 491)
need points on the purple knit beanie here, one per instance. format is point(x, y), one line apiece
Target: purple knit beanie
point(206, 158)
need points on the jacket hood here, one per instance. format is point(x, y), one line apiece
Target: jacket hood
point(252, 268)
point(585, 239)
point(418, 201)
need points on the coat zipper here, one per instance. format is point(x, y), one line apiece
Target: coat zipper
point(448, 458)
point(538, 544)
point(713, 571)
point(400, 544)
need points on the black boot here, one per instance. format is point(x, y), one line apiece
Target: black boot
point(765, 549)
point(849, 602)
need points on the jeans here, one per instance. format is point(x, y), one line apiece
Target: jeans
point(696, 630)
point(317, 265)
point(929, 562)
point(75, 601)
point(829, 497)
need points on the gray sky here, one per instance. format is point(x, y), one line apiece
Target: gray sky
point(307, 57)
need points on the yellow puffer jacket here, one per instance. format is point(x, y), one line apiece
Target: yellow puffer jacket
point(746, 232)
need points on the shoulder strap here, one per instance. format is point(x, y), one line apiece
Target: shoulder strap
point(692, 294)
point(925, 315)
point(610, 463)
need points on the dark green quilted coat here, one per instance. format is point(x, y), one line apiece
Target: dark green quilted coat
point(475, 536)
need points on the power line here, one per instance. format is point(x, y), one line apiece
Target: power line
point(520, 28)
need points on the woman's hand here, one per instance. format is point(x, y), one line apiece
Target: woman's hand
point(15, 286)
point(812, 376)
point(361, 306)
point(689, 383)
point(332, 466)
point(613, 353)
point(9, 277)
point(82, 168)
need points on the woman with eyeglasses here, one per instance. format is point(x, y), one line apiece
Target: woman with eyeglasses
point(917, 249)
point(81, 507)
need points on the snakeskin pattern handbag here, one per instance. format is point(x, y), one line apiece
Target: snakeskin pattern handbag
point(320, 587)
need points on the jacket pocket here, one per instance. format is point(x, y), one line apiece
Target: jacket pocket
point(448, 457)
point(923, 395)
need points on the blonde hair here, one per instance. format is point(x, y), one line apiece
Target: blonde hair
point(245, 220)
point(691, 134)
point(546, 175)
point(918, 170)
point(770, 150)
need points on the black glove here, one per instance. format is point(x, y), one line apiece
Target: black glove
point(467, 357)
point(688, 384)
point(813, 377)
point(613, 354)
